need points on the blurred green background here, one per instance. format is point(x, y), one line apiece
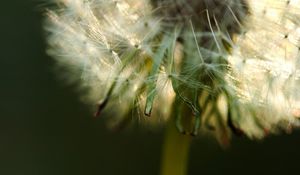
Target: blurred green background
point(46, 130)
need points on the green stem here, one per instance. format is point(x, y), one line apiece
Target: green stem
point(175, 152)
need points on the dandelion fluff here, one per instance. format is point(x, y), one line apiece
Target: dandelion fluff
point(221, 66)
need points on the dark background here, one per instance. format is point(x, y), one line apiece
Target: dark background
point(46, 130)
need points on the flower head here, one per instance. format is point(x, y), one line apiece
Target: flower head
point(223, 66)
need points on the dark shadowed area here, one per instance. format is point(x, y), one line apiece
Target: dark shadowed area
point(46, 130)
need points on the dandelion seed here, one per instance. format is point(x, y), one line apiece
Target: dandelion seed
point(221, 66)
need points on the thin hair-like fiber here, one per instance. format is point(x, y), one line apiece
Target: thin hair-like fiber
point(216, 66)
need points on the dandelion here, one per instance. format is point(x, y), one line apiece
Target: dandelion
point(206, 66)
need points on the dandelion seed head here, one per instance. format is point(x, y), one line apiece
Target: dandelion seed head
point(220, 66)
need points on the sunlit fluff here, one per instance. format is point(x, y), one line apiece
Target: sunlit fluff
point(238, 74)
